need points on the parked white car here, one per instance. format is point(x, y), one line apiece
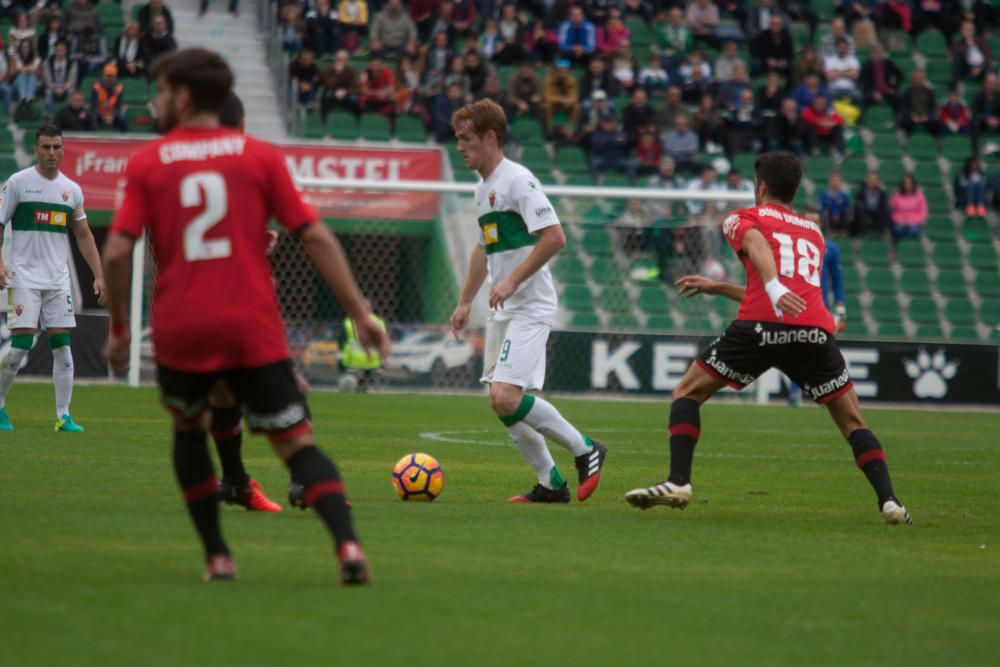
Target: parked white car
point(436, 354)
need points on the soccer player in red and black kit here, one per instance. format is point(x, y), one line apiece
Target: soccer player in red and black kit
point(782, 323)
point(205, 193)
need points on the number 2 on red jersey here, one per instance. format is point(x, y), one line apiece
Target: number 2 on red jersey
point(208, 189)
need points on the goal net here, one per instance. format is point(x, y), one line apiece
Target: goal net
point(621, 325)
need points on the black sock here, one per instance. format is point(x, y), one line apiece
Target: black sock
point(870, 459)
point(685, 427)
point(227, 431)
point(324, 491)
point(193, 468)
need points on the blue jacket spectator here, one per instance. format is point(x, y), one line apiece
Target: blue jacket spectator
point(609, 149)
point(832, 284)
point(835, 205)
point(808, 90)
point(441, 110)
point(577, 36)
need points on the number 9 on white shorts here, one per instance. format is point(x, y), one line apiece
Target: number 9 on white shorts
point(515, 353)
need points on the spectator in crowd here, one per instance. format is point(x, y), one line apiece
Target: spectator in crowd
point(477, 71)
point(148, 14)
point(442, 108)
point(577, 37)
point(871, 208)
point(673, 38)
point(970, 188)
point(323, 28)
point(78, 15)
point(393, 32)
point(511, 31)
point(709, 125)
point(727, 61)
point(60, 76)
point(19, 32)
point(808, 62)
point(666, 175)
point(835, 206)
point(438, 56)
point(52, 33)
point(908, 208)
point(653, 77)
point(731, 91)
point(524, 92)
point(772, 50)
point(304, 75)
point(917, 105)
point(129, 52)
point(353, 23)
point(291, 26)
point(624, 67)
point(787, 131)
point(864, 12)
point(561, 94)
point(880, 79)
point(597, 77)
point(489, 43)
point(643, 8)
point(695, 86)
point(940, 14)
point(695, 62)
point(970, 54)
point(6, 92)
point(76, 116)
point(541, 41)
point(842, 71)
point(638, 117)
point(159, 41)
point(707, 181)
point(464, 17)
point(424, 13)
point(90, 51)
point(808, 90)
point(759, 18)
point(770, 96)
point(838, 30)
point(735, 183)
point(801, 11)
point(456, 74)
point(338, 86)
point(681, 144)
point(106, 100)
point(744, 125)
point(444, 21)
point(986, 108)
point(25, 67)
point(953, 115)
point(378, 86)
point(590, 118)
point(609, 149)
point(702, 18)
point(612, 33)
point(648, 153)
point(669, 109)
point(823, 126)
point(897, 14)
point(234, 7)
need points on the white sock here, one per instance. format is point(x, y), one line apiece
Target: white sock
point(62, 378)
point(531, 444)
point(11, 365)
point(544, 418)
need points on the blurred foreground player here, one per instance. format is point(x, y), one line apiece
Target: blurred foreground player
point(205, 194)
point(782, 323)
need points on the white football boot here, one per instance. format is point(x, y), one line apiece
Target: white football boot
point(666, 493)
point(894, 513)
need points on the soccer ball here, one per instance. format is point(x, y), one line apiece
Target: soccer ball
point(418, 477)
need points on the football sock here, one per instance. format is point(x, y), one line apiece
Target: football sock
point(685, 427)
point(200, 489)
point(19, 347)
point(531, 444)
point(62, 372)
point(871, 461)
point(324, 491)
point(542, 416)
point(227, 431)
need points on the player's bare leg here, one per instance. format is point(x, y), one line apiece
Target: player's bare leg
point(868, 455)
point(696, 387)
point(20, 344)
point(236, 485)
point(324, 492)
point(196, 476)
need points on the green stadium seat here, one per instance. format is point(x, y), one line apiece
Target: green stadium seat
point(605, 271)
point(911, 255)
point(578, 298)
point(875, 252)
point(959, 312)
point(572, 160)
point(930, 331)
point(621, 321)
point(939, 73)
point(585, 321)
point(847, 251)
point(410, 128)
point(825, 9)
point(660, 323)
point(313, 127)
point(851, 279)
point(374, 127)
point(955, 147)
point(596, 241)
point(725, 308)
point(931, 44)
point(139, 118)
point(856, 327)
point(503, 75)
point(891, 330)
point(527, 130)
point(8, 166)
point(921, 147)
point(947, 256)
point(463, 175)
point(923, 311)
point(879, 118)
point(880, 281)
point(653, 301)
point(983, 258)
point(698, 325)
point(989, 312)
point(7, 142)
point(976, 230)
point(579, 180)
point(614, 179)
point(940, 229)
point(343, 125)
point(536, 158)
point(853, 304)
point(886, 309)
point(135, 91)
point(964, 333)
point(886, 147)
point(938, 199)
point(927, 173)
point(639, 31)
point(615, 300)
point(988, 284)
point(952, 283)
point(570, 269)
point(745, 162)
point(915, 282)
point(891, 172)
point(818, 168)
point(853, 171)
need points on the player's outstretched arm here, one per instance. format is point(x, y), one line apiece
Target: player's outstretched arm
point(118, 274)
point(473, 281)
point(550, 241)
point(693, 285)
point(88, 248)
point(328, 257)
point(783, 299)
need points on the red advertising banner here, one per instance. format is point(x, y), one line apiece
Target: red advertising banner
point(98, 166)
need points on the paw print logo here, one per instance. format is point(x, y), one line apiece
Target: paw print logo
point(930, 373)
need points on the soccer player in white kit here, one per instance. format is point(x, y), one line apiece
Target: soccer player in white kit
point(41, 204)
point(520, 234)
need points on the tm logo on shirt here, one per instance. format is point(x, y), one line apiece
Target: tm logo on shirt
point(490, 233)
point(56, 218)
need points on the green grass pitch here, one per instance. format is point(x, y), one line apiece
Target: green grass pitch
point(782, 559)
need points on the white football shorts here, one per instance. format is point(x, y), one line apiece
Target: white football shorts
point(515, 353)
point(40, 309)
